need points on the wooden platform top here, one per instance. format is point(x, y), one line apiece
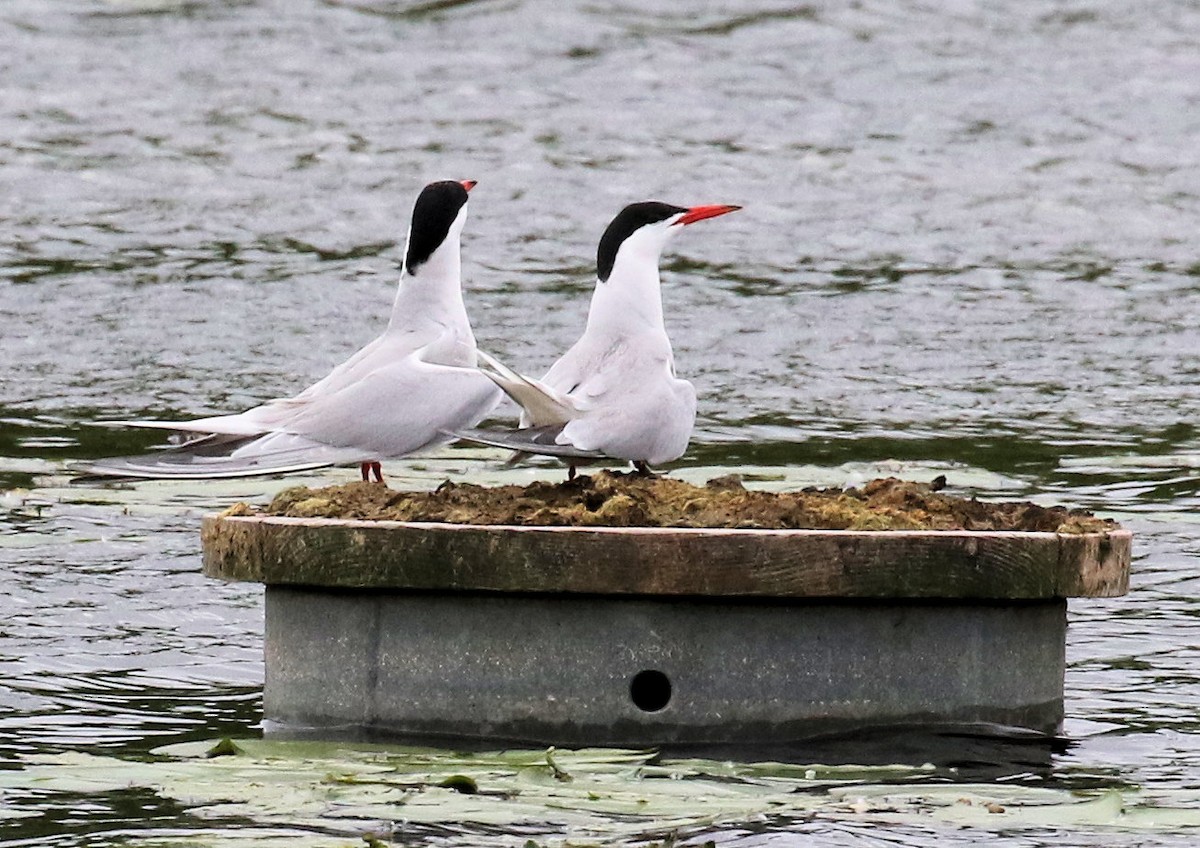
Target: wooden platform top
point(346, 554)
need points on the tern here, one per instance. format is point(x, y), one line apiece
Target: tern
point(614, 394)
point(397, 395)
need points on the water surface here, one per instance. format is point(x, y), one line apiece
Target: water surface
point(968, 247)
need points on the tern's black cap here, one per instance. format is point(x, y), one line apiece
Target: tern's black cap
point(435, 210)
point(628, 221)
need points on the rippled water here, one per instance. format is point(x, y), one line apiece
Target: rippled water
point(968, 246)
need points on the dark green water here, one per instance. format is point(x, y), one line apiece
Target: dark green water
point(968, 247)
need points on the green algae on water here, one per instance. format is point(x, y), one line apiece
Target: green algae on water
point(390, 794)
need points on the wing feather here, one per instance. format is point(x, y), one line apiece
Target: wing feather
point(539, 440)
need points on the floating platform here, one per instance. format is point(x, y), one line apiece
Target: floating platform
point(656, 636)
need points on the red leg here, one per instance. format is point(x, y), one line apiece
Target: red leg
point(377, 468)
point(365, 468)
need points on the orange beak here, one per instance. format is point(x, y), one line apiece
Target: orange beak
point(699, 213)
point(469, 184)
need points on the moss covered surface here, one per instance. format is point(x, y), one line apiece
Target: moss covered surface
point(609, 499)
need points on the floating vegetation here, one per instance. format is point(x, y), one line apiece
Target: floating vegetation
point(460, 783)
point(319, 794)
point(627, 500)
point(225, 748)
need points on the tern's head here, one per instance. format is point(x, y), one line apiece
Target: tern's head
point(437, 219)
point(640, 231)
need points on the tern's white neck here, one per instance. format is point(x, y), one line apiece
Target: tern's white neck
point(433, 290)
point(631, 298)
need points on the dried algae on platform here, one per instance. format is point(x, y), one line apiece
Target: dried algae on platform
point(626, 500)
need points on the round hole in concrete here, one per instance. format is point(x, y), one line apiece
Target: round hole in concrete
point(650, 690)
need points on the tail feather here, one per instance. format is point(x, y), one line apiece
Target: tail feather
point(543, 405)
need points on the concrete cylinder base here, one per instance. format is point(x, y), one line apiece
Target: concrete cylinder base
point(580, 670)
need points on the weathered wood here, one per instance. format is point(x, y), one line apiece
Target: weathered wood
point(666, 561)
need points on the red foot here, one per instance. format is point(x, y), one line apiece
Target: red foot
point(368, 467)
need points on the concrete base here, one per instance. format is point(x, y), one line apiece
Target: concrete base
point(570, 670)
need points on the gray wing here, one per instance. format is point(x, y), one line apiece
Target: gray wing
point(538, 440)
point(398, 409)
point(209, 459)
point(274, 414)
point(581, 361)
point(635, 408)
point(392, 412)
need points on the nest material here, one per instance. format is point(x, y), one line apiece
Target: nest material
point(611, 499)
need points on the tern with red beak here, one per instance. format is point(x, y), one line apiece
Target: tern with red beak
point(396, 396)
point(614, 394)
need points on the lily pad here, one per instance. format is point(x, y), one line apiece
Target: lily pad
point(319, 794)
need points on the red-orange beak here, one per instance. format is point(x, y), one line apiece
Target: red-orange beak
point(699, 213)
point(469, 184)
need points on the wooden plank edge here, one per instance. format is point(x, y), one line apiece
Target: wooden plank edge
point(285, 520)
point(282, 551)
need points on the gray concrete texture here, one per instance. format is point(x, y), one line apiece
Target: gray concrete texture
point(561, 670)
